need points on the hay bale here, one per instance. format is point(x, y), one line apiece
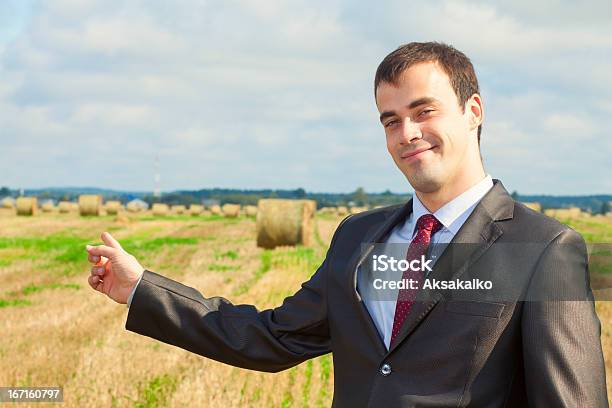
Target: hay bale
point(27, 205)
point(564, 213)
point(196, 209)
point(342, 210)
point(178, 209)
point(327, 210)
point(137, 205)
point(90, 204)
point(160, 209)
point(250, 210)
point(215, 209)
point(312, 206)
point(112, 207)
point(7, 202)
point(230, 210)
point(534, 206)
point(283, 222)
point(47, 206)
point(66, 206)
point(357, 210)
point(574, 212)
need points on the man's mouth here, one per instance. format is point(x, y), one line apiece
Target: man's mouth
point(416, 153)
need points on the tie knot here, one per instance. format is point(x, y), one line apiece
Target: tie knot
point(428, 222)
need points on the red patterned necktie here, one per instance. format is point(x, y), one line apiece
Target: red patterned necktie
point(427, 225)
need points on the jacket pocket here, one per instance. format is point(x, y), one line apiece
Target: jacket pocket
point(475, 308)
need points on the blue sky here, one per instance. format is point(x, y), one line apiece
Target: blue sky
point(278, 94)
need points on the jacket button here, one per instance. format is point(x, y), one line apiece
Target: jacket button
point(385, 369)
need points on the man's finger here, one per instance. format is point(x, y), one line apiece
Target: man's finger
point(109, 240)
point(98, 270)
point(95, 283)
point(101, 250)
point(97, 259)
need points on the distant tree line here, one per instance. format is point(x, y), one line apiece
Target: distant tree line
point(244, 197)
point(592, 203)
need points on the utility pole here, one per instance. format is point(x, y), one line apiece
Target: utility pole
point(157, 188)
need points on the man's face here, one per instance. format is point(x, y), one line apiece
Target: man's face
point(430, 138)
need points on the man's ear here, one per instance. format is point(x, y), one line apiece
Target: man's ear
point(475, 109)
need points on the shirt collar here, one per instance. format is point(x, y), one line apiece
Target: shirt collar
point(453, 214)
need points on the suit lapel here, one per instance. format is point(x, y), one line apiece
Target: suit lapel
point(375, 234)
point(480, 231)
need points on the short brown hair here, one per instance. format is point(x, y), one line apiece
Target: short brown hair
point(456, 64)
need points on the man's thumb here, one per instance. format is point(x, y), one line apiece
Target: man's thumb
point(108, 239)
point(101, 250)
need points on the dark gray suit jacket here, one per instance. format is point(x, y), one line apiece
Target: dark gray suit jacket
point(449, 353)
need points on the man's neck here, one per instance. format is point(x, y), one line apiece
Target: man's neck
point(435, 200)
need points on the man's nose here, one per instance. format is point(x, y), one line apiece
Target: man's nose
point(410, 132)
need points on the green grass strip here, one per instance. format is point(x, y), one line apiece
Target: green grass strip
point(14, 303)
point(156, 392)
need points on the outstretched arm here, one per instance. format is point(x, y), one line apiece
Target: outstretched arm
point(239, 335)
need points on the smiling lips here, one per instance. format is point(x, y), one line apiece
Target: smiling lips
point(415, 153)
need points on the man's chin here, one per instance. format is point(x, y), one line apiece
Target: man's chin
point(424, 183)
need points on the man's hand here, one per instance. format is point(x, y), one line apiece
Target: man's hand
point(115, 272)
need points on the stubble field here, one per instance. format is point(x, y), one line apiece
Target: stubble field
point(55, 330)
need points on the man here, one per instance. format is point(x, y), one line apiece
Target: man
point(522, 348)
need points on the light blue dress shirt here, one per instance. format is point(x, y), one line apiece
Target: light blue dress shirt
point(129, 299)
point(452, 216)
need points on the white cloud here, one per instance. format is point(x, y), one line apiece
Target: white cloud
point(279, 94)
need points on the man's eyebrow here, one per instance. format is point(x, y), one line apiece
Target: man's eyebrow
point(422, 101)
point(418, 102)
point(386, 114)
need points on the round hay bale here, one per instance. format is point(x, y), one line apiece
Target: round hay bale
point(196, 209)
point(7, 202)
point(250, 210)
point(65, 207)
point(137, 205)
point(283, 222)
point(534, 206)
point(327, 210)
point(312, 206)
point(90, 204)
point(574, 212)
point(342, 210)
point(27, 205)
point(112, 207)
point(231, 210)
point(178, 209)
point(550, 212)
point(160, 209)
point(357, 210)
point(215, 209)
point(47, 206)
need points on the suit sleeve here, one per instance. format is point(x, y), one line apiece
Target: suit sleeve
point(564, 365)
point(240, 335)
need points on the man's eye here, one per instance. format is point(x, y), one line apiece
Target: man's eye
point(425, 112)
point(391, 123)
